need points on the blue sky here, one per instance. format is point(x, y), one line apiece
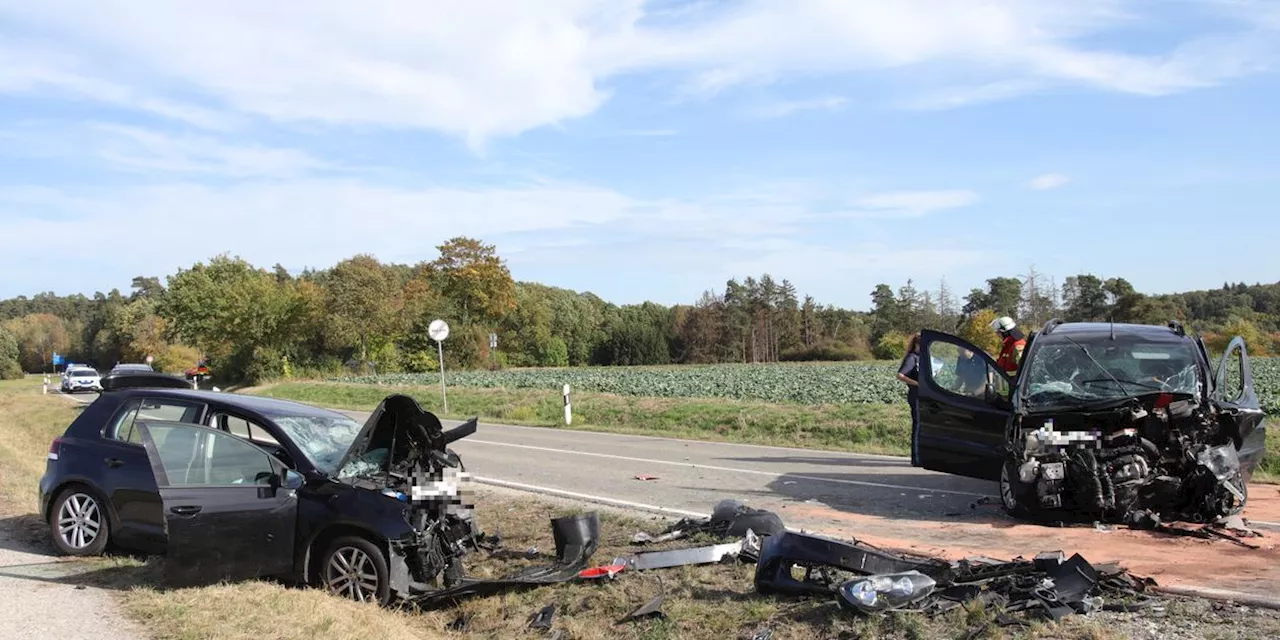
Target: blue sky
point(645, 150)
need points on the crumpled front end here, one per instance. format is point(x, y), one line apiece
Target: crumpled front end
point(1150, 460)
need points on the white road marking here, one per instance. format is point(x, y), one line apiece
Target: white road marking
point(860, 483)
point(626, 504)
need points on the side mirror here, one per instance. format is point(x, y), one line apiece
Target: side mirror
point(292, 480)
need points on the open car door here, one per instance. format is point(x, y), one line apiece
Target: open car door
point(230, 508)
point(964, 407)
point(1236, 397)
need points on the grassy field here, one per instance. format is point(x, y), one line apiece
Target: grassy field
point(800, 383)
point(711, 602)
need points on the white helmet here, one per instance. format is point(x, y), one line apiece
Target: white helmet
point(1003, 323)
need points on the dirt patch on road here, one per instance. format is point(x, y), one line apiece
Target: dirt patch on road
point(1171, 560)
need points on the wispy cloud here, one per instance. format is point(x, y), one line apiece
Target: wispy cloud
point(785, 108)
point(1048, 181)
point(490, 68)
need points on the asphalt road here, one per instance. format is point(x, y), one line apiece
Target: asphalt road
point(809, 488)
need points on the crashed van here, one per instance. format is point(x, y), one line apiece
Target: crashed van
point(1117, 423)
point(231, 487)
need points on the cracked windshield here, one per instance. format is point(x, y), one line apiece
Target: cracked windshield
point(323, 440)
point(1069, 373)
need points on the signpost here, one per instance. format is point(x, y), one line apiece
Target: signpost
point(493, 349)
point(150, 360)
point(568, 413)
point(439, 330)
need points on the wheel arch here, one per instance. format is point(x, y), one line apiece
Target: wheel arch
point(309, 563)
point(113, 519)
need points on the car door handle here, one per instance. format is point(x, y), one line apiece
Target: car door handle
point(186, 510)
point(114, 462)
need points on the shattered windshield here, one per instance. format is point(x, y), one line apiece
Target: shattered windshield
point(1066, 373)
point(324, 440)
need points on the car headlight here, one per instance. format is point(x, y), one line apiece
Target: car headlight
point(874, 594)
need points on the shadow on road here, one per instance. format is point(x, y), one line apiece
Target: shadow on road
point(28, 535)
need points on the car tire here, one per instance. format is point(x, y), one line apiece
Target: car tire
point(346, 566)
point(1013, 493)
point(79, 524)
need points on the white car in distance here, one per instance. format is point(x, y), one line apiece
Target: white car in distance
point(81, 378)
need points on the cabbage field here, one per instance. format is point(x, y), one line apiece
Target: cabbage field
point(826, 383)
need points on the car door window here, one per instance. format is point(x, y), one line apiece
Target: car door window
point(156, 409)
point(1231, 375)
point(243, 428)
point(959, 371)
point(198, 456)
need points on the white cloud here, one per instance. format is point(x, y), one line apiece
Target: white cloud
point(1049, 181)
point(785, 108)
point(489, 68)
point(119, 232)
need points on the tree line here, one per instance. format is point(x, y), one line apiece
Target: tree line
point(252, 323)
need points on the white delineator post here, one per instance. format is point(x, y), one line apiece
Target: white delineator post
point(44, 388)
point(568, 412)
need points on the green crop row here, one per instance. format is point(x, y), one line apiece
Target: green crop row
point(836, 383)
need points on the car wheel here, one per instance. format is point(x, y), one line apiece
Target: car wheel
point(355, 568)
point(1013, 494)
point(78, 523)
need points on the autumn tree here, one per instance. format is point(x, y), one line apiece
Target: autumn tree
point(39, 336)
point(472, 274)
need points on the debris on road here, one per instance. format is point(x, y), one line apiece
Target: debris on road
point(542, 618)
point(712, 554)
point(645, 477)
point(728, 518)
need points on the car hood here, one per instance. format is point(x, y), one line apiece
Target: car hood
point(407, 431)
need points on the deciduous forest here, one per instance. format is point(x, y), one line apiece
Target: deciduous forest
point(253, 323)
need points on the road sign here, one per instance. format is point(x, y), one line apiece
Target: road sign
point(438, 330)
point(493, 341)
point(58, 358)
point(150, 359)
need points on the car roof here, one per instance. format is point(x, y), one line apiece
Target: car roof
point(270, 407)
point(1094, 330)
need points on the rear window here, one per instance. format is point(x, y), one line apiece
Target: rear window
point(153, 409)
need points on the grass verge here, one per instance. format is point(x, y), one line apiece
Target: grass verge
point(862, 428)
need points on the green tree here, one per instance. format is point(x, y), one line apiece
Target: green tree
point(362, 301)
point(9, 367)
point(235, 313)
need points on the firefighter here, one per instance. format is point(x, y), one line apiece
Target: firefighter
point(1012, 342)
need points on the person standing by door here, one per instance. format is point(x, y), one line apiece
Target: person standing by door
point(909, 374)
point(1012, 343)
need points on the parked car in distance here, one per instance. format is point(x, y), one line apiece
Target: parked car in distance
point(79, 378)
point(232, 487)
point(139, 366)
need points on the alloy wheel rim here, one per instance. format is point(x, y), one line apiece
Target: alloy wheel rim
point(352, 574)
point(79, 521)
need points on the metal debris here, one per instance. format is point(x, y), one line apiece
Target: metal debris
point(650, 609)
point(542, 618)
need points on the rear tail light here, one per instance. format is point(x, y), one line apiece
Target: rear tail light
point(54, 448)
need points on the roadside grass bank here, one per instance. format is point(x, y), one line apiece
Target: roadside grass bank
point(856, 428)
point(860, 428)
point(711, 602)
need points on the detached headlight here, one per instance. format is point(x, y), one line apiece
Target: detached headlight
point(875, 594)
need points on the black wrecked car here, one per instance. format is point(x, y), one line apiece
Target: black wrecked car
point(1118, 423)
point(234, 487)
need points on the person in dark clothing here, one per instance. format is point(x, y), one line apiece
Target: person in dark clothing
point(909, 374)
